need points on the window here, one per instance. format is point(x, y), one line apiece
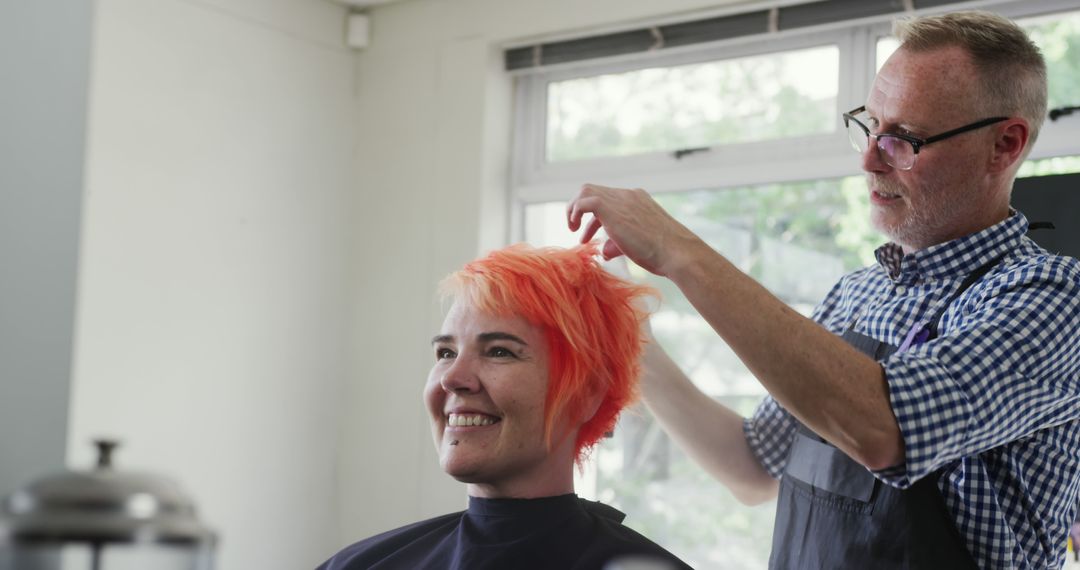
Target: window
point(773, 184)
point(1058, 36)
point(693, 105)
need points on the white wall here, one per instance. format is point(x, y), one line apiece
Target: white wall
point(433, 116)
point(44, 68)
point(212, 330)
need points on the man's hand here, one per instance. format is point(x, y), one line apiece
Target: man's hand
point(635, 224)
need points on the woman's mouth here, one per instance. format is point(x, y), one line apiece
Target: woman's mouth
point(470, 420)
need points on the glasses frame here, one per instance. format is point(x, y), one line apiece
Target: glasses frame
point(915, 142)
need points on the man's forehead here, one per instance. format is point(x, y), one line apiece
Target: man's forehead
point(882, 92)
point(914, 88)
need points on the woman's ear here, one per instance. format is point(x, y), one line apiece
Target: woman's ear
point(592, 405)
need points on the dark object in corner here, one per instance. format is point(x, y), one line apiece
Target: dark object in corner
point(1054, 199)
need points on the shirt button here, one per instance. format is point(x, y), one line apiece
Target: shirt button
point(900, 289)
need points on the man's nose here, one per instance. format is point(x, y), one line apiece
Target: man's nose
point(872, 159)
point(461, 376)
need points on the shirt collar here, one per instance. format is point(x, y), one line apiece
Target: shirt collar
point(953, 258)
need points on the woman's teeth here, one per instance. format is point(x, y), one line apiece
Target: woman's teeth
point(466, 420)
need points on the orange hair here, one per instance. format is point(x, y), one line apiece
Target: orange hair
point(590, 318)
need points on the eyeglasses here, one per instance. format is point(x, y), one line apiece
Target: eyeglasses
point(897, 150)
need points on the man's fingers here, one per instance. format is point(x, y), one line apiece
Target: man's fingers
point(611, 250)
point(587, 200)
point(574, 213)
point(573, 218)
point(591, 228)
point(579, 207)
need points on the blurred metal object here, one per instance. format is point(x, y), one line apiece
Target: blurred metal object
point(103, 509)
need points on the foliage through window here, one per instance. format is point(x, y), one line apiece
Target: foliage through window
point(695, 105)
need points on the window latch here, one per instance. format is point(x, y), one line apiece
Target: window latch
point(1061, 112)
point(678, 154)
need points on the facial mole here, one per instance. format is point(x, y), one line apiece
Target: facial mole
point(455, 442)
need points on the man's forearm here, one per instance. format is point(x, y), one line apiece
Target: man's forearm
point(835, 390)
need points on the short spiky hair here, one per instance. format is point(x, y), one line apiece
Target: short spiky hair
point(590, 318)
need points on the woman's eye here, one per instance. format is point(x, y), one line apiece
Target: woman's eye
point(442, 353)
point(500, 352)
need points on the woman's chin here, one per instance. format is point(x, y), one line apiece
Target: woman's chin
point(463, 471)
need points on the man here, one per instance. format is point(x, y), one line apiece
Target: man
point(535, 360)
point(928, 416)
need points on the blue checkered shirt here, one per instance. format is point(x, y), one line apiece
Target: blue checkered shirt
point(993, 402)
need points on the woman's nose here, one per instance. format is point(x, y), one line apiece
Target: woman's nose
point(461, 376)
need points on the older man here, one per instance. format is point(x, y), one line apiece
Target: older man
point(928, 416)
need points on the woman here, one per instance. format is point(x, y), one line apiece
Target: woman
point(535, 360)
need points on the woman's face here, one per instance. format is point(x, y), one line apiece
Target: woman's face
point(485, 396)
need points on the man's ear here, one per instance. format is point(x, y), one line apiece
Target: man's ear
point(1012, 138)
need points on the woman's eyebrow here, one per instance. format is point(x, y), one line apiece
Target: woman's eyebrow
point(489, 336)
point(482, 337)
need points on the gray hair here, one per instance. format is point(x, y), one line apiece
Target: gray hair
point(1010, 67)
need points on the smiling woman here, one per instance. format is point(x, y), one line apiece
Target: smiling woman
point(537, 357)
point(485, 396)
point(588, 320)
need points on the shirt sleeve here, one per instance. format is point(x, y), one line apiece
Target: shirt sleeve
point(769, 433)
point(1006, 365)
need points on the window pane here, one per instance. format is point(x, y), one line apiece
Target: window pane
point(797, 239)
point(545, 224)
point(1049, 166)
point(885, 47)
point(719, 102)
point(1058, 36)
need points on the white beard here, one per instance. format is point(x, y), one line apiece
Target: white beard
point(929, 214)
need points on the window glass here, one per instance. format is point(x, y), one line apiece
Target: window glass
point(1048, 166)
point(885, 47)
point(797, 239)
point(1058, 36)
point(739, 100)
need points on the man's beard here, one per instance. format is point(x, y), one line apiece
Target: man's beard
point(928, 213)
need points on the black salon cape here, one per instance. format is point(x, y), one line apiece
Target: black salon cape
point(553, 533)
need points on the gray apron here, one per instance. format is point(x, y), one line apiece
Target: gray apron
point(832, 513)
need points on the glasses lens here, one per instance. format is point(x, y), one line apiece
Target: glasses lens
point(897, 152)
point(858, 137)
